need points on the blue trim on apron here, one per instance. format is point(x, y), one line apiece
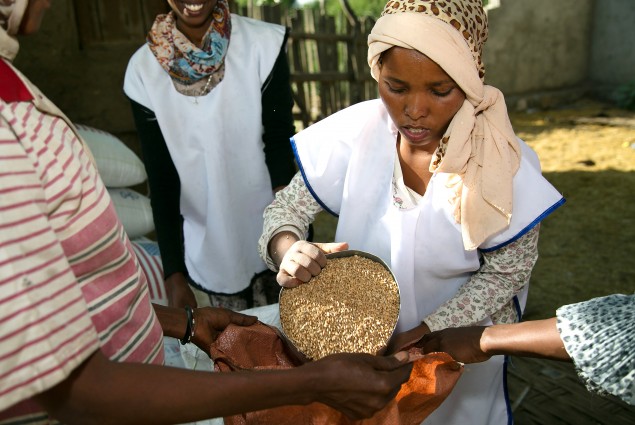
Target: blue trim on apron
point(306, 181)
point(519, 311)
point(510, 415)
point(528, 228)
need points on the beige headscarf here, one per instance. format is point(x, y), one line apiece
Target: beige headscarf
point(11, 13)
point(479, 146)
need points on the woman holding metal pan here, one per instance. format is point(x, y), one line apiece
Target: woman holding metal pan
point(430, 178)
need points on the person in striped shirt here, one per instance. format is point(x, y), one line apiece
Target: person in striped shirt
point(80, 341)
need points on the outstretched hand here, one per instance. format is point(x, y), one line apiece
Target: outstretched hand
point(403, 340)
point(359, 384)
point(463, 344)
point(304, 260)
point(211, 321)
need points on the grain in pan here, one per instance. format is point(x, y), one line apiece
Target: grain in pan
point(351, 306)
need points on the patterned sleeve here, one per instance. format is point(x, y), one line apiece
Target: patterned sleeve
point(490, 291)
point(293, 209)
point(46, 329)
point(599, 335)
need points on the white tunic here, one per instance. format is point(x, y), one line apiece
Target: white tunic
point(347, 162)
point(216, 146)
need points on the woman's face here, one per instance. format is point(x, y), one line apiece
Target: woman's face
point(193, 17)
point(420, 97)
point(33, 15)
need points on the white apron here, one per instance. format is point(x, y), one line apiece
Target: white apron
point(347, 161)
point(216, 146)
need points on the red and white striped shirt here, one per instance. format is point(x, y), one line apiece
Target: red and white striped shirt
point(69, 280)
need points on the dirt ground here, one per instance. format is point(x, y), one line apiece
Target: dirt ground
point(586, 248)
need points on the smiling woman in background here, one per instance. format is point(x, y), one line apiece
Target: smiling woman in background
point(212, 102)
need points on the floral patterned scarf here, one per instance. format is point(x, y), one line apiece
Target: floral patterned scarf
point(194, 71)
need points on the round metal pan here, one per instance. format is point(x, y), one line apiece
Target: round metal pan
point(343, 254)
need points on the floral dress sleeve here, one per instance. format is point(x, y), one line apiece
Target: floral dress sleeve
point(293, 209)
point(491, 290)
point(599, 335)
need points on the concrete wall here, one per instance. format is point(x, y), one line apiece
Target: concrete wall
point(612, 45)
point(86, 83)
point(538, 49)
point(540, 53)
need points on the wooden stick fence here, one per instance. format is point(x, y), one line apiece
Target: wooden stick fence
point(327, 57)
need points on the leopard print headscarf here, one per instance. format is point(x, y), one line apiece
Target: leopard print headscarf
point(479, 148)
point(468, 17)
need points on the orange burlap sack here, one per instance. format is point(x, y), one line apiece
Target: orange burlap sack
point(261, 347)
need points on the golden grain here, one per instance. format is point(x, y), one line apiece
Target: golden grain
point(351, 306)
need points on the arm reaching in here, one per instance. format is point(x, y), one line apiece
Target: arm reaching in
point(102, 392)
point(473, 344)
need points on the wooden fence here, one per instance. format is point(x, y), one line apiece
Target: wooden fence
point(327, 54)
point(327, 57)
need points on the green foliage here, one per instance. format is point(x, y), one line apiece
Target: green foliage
point(361, 8)
point(367, 7)
point(625, 96)
point(370, 8)
point(288, 3)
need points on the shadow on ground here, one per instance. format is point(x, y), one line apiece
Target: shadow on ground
point(544, 392)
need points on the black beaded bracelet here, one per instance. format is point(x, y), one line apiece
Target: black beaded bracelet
point(189, 327)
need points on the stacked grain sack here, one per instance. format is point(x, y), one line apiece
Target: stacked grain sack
point(121, 169)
